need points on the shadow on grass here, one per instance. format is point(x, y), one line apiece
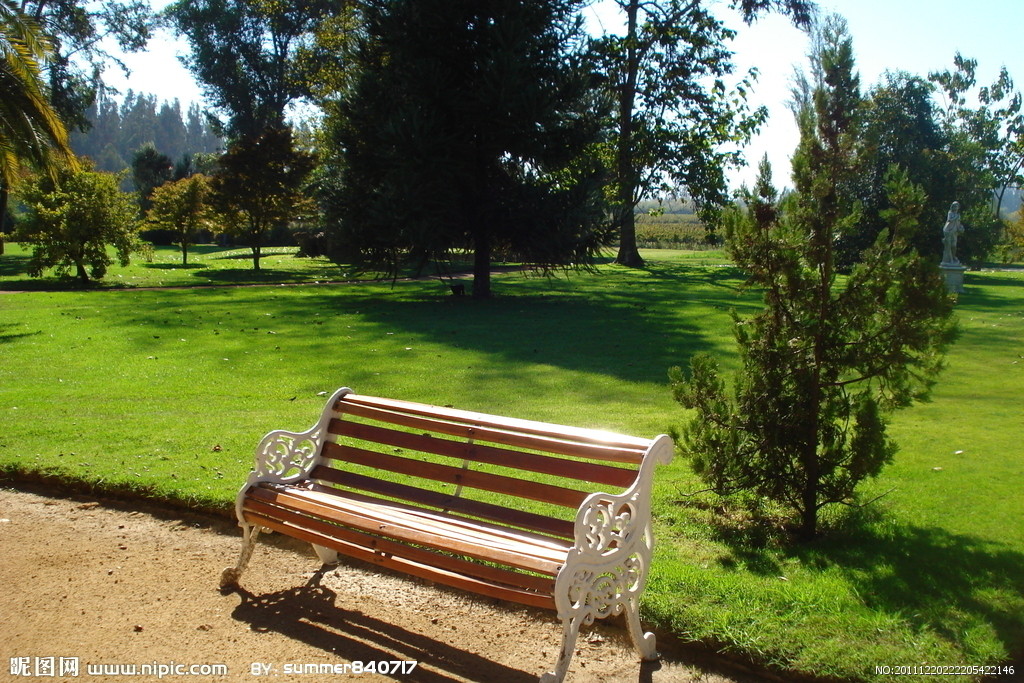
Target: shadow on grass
point(14, 265)
point(7, 337)
point(175, 266)
point(930, 578)
point(634, 327)
point(1001, 293)
point(248, 276)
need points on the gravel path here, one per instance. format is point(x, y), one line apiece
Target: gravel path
point(110, 583)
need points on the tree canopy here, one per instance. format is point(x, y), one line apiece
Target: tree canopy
point(257, 186)
point(465, 127)
point(249, 55)
point(31, 131)
point(674, 114)
point(73, 218)
point(78, 31)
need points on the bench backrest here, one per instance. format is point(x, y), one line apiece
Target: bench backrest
point(521, 473)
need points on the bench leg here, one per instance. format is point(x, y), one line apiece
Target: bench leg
point(570, 630)
point(326, 555)
point(643, 642)
point(229, 577)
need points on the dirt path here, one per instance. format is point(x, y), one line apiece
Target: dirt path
point(120, 584)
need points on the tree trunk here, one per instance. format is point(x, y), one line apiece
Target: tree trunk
point(481, 265)
point(3, 214)
point(184, 254)
point(82, 273)
point(809, 515)
point(256, 258)
point(628, 254)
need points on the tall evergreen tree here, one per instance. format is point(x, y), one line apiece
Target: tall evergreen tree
point(827, 358)
point(464, 128)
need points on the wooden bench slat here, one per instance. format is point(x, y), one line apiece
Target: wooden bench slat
point(593, 436)
point(582, 471)
point(339, 497)
point(432, 533)
point(446, 501)
point(407, 566)
point(507, 577)
point(610, 453)
point(423, 537)
point(496, 483)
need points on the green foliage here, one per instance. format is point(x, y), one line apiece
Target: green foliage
point(826, 359)
point(258, 184)
point(72, 219)
point(82, 33)
point(985, 151)
point(31, 131)
point(465, 127)
point(183, 207)
point(248, 55)
point(119, 127)
point(673, 111)
point(150, 170)
point(1011, 250)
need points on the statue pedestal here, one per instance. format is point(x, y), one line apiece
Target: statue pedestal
point(953, 274)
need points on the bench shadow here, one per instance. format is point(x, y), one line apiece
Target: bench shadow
point(309, 614)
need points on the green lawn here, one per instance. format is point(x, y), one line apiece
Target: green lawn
point(166, 392)
point(207, 265)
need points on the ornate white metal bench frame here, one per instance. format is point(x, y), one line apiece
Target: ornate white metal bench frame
point(604, 572)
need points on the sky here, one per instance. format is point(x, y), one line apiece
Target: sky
point(917, 36)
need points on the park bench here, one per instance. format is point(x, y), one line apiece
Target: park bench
point(501, 507)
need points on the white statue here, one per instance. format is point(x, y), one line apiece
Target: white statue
point(950, 231)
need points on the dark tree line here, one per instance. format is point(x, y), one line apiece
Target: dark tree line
point(118, 130)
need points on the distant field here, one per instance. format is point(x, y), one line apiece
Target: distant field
point(671, 231)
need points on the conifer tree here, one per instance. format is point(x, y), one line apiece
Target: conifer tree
point(826, 359)
point(464, 129)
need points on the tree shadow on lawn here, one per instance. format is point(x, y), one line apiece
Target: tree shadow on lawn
point(246, 276)
point(996, 294)
point(635, 331)
point(175, 266)
point(14, 265)
point(932, 579)
point(7, 337)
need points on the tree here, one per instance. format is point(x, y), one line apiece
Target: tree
point(79, 32)
point(31, 131)
point(183, 207)
point(670, 124)
point(150, 170)
point(258, 184)
point(826, 358)
point(247, 54)
point(71, 220)
point(465, 128)
point(900, 125)
point(986, 150)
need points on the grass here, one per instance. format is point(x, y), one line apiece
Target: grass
point(207, 265)
point(166, 392)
